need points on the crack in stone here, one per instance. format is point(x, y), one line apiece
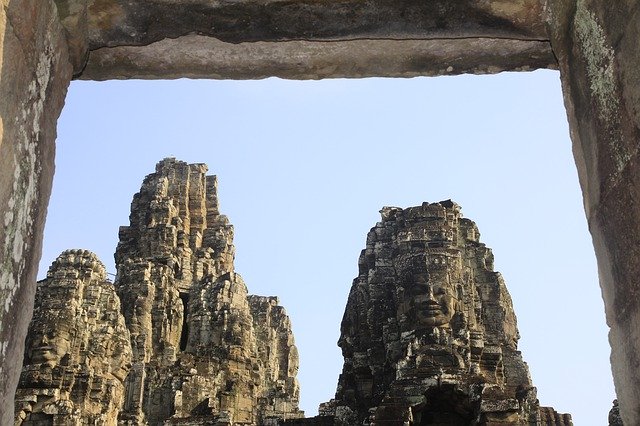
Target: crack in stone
point(328, 41)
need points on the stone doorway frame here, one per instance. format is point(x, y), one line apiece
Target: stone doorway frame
point(44, 44)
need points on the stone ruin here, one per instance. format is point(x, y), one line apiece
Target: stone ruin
point(429, 335)
point(201, 345)
point(77, 352)
point(176, 339)
point(44, 44)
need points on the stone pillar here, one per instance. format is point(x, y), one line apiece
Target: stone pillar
point(34, 76)
point(596, 43)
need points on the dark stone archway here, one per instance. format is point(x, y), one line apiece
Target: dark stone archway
point(43, 43)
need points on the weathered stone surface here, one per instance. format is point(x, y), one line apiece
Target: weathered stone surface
point(161, 39)
point(278, 358)
point(614, 415)
point(77, 351)
point(190, 346)
point(429, 335)
point(599, 60)
point(34, 75)
point(118, 22)
point(198, 56)
point(204, 352)
point(549, 416)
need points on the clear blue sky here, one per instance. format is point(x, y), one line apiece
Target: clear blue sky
point(304, 168)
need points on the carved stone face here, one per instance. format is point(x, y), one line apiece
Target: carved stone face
point(431, 299)
point(52, 329)
point(50, 347)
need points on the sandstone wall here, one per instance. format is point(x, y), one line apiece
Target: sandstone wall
point(596, 43)
point(34, 75)
point(278, 358)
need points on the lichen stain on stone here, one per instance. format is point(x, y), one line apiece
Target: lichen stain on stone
point(104, 14)
point(18, 219)
point(599, 58)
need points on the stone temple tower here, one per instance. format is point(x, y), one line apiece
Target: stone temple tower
point(175, 339)
point(429, 335)
point(77, 352)
point(201, 345)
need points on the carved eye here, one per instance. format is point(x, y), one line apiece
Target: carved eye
point(417, 289)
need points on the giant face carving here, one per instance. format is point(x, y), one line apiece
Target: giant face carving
point(53, 328)
point(51, 346)
point(429, 292)
point(432, 301)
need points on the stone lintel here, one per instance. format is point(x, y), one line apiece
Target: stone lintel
point(195, 56)
point(304, 39)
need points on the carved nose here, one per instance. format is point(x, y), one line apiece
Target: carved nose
point(429, 292)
